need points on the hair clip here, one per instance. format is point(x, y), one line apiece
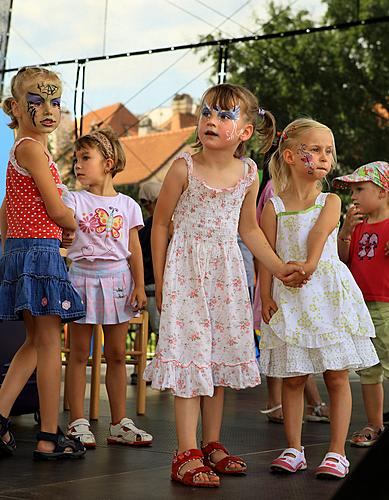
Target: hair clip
point(283, 137)
point(261, 111)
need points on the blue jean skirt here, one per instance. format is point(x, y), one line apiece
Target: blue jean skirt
point(33, 277)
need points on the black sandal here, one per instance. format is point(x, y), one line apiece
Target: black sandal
point(6, 448)
point(62, 443)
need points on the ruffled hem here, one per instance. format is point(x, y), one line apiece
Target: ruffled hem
point(190, 380)
point(34, 278)
point(292, 361)
point(42, 297)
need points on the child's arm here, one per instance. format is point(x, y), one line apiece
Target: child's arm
point(269, 228)
point(352, 219)
point(3, 224)
point(173, 186)
point(318, 235)
point(257, 243)
point(30, 156)
point(138, 297)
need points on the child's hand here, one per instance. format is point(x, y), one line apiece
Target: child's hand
point(138, 299)
point(269, 307)
point(387, 249)
point(353, 218)
point(292, 274)
point(68, 238)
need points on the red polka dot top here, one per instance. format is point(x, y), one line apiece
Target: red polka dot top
point(26, 212)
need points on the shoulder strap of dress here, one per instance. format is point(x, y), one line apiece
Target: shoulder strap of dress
point(188, 160)
point(278, 204)
point(321, 199)
point(250, 170)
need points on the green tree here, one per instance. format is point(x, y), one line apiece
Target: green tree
point(340, 78)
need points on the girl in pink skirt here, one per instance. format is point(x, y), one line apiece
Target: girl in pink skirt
point(107, 271)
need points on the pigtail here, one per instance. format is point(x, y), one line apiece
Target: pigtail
point(266, 129)
point(7, 108)
point(276, 171)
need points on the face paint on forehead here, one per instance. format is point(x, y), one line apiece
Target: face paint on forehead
point(48, 88)
point(307, 158)
point(232, 114)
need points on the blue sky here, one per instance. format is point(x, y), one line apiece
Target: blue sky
point(66, 29)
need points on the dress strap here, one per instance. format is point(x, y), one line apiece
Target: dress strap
point(321, 199)
point(250, 171)
point(278, 204)
point(188, 160)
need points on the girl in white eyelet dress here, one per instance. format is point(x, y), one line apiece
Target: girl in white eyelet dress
point(205, 337)
point(325, 326)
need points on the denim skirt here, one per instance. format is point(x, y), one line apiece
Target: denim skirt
point(33, 276)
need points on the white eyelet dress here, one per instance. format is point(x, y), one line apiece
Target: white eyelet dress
point(206, 329)
point(325, 325)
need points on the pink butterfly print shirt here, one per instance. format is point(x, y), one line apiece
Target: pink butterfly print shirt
point(104, 223)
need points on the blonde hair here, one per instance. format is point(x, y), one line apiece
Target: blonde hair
point(279, 169)
point(227, 95)
point(107, 143)
point(24, 75)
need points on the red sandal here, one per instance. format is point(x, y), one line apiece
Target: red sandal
point(222, 465)
point(188, 478)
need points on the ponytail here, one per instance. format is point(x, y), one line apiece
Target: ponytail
point(7, 108)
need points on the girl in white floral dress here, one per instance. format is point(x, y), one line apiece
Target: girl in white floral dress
point(325, 326)
point(205, 338)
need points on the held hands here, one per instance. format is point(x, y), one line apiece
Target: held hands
point(293, 274)
point(138, 299)
point(269, 307)
point(67, 238)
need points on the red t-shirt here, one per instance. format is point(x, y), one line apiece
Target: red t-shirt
point(367, 261)
point(26, 212)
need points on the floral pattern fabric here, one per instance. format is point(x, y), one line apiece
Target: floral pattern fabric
point(206, 329)
point(325, 325)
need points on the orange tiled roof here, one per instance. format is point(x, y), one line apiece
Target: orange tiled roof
point(146, 154)
point(180, 120)
point(116, 116)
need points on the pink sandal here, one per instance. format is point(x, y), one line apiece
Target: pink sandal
point(337, 468)
point(290, 460)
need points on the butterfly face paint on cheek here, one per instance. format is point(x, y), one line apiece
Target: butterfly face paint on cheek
point(229, 115)
point(307, 158)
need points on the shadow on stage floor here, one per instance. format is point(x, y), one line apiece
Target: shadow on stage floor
point(118, 472)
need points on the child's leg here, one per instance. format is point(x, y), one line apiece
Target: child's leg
point(20, 370)
point(339, 391)
point(80, 339)
point(187, 412)
point(48, 346)
point(293, 408)
point(316, 409)
point(116, 375)
point(373, 398)
point(211, 417)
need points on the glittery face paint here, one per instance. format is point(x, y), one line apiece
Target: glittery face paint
point(43, 100)
point(307, 158)
point(226, 117)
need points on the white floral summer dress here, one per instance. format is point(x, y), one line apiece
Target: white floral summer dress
point(325, 325)
point(206, 329)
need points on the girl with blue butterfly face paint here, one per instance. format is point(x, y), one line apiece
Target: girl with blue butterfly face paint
point(206, 331)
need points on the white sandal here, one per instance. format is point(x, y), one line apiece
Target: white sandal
point(338, 467)
point(125, 432)
point(290, 460)
point(80, 429)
